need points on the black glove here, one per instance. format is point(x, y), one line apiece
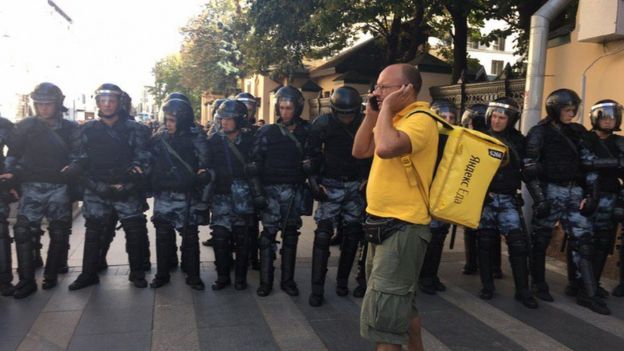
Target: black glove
point(203, 178)
point(541, 209)
point(590, 205)
point(102, 189)
point(318, 193)
point(260, 202)
point(72, 171)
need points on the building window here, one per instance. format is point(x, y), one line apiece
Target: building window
point(473, 44)
point(497, 67)
point(499, 44)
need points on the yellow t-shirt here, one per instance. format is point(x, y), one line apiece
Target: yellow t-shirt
point(389, 193)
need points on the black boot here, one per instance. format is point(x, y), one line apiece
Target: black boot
point(136, 231)
point(289, 258)
point(602, 248)
point(37, 234)
point(91, 255)
point(588, 294)
point(265, 243)
point(486, 243)
point(106, 238)
point(254, 232)
point(64, 268)
point(6, 270)
point(428, 281)
point(173, 258)
point(618, 291)
point(518, 246)
point(541, 240)
point(190, 252)
point(147, 254)
point(165, 233)
point(360, 276)
point(337, 238)
point(241, 237)
point(221, 243)
point(572, 288)
point(352, 235)
point(59, 242)
point(25, 260)
point(496, 258)
point(470, 249)
point(320, 255)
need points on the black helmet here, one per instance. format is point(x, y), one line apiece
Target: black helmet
point(292, 94)
point(606, 109)
point(215, 107)
point(345, 100)
point(474, 117)
point(559, 99)
point(444, 106)
point(235, 109)
point(126, 102)
point(108, 89)
point(506, 106)
point(178, 95)
point(251, 103)
point(182, 112)
point(48, 92)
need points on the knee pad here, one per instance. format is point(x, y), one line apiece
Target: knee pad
point(220, 233)
point(583, 245)
point(325, 225)
point(21, 233)
point(486, 239)
point(602, 240)
point(541, 239)
point(162, 225)
point(134, 223)
point(266, 239)
point(518, 243)
point(322, 239)
point(95, 224)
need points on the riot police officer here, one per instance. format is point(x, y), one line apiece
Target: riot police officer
point(606, 117)
point(473, 118)
point(252, 106)
point(500, 213)
point(40, 151)
point(180, 155)
point(215, 125)
point(336, 179)
point(114, 160)
point(232, 206)
point(6, 188)
point(429, 282)
point(254, 229)
point(278, 154)
point(562, 192)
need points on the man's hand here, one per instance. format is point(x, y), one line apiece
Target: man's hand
point(136, 170)
point(398, 100)
point(14, 194)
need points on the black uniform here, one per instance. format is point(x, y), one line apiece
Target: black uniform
point(330, 144)
point(6, 270)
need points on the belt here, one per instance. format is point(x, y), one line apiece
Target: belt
point(343, 178)
point(565, 182)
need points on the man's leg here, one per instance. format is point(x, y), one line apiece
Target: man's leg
point(59, 232)
point(136, 229)
point(320, 256)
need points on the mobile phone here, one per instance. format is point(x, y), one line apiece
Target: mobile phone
point(372, 100)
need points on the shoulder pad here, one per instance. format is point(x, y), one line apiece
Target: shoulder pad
point(66, 123)
point(321, 121)
point(577, 127)
point(90, 124)
point(5, 123)
point(619, 142)
point(27, 122)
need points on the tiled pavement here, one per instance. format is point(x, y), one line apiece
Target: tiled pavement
point(115, 316)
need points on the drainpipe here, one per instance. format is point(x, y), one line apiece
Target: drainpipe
point(534, 88)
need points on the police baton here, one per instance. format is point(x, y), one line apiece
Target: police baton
point(453, 235)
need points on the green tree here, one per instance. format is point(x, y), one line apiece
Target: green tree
point(167, 77)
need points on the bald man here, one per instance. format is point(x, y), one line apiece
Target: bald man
point(398, 217)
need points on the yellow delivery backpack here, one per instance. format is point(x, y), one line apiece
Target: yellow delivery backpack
point(468, 162)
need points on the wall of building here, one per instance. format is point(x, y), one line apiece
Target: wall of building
point(432, 80)
point(565, 65)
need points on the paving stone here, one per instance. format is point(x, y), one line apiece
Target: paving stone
point(240, 338)
point(51, 330)
point(117, 342)
point(110, 320)
point(180, 339)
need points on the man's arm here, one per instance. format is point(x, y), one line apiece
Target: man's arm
point(364, 143)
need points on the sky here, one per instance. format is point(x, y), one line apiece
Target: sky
point(112, 41)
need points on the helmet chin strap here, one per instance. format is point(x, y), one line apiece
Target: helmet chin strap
point(101, 115)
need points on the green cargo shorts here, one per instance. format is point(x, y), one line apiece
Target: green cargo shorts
point(392, 270)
